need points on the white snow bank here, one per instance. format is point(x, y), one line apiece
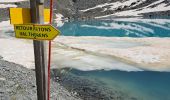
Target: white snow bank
point(18, 51)
point(4, 28)
point(59, 17)
point(5, 25)
point(59, 20)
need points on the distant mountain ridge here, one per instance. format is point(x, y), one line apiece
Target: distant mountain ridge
point(99, 8)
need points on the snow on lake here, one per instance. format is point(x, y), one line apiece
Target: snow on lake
point(146, 53)
point(87, 53)
point(93, 52)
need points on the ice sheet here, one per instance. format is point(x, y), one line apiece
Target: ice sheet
point(150, 53)
point(87, 53)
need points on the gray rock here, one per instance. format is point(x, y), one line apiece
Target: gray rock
point(18, 83)
point(1, 57)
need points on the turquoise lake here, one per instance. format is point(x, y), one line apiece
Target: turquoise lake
point(142, 85)
point(111, 28)
point(145, 85)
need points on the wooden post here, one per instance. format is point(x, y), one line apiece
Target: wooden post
point(37, 16)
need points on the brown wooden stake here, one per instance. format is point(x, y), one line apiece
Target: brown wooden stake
point(37, 16)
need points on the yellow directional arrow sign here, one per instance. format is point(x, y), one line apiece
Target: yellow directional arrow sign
point(35, 32)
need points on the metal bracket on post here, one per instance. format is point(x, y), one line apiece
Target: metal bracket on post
point(40, 1)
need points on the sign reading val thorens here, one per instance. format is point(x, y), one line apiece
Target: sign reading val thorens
point(35, 32)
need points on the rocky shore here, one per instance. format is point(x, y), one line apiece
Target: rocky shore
point(18, 83)
point(88, 89)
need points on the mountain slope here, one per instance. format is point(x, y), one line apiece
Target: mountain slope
point(98, 8)
point(65, 7)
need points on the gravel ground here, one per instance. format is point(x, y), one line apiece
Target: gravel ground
point(18, 83)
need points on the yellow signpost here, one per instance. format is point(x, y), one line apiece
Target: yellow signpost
point(35, 31)
point(23, 16)
point(29, 24)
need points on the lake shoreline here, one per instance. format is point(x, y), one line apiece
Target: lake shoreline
point(86, 88)
point(70, 87)
point(114, 84)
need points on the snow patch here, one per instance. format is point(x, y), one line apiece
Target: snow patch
point(115, 5)
point(5, 27)
point(145, 58)
point(147, 9)
point(18, 51)
point(161, 6)
point(2, 79)
point(7, 5)
point(59, 20)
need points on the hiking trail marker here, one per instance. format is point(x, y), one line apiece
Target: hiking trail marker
point(35, 31)
point(23, 15)
point(29, 24)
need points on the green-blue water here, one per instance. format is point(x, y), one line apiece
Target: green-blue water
point(116, 28)
point(146, 85)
